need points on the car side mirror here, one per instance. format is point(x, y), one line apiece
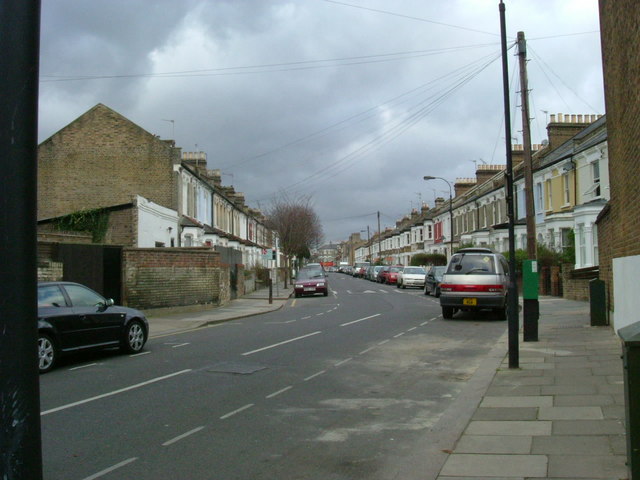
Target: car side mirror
point(109, 302)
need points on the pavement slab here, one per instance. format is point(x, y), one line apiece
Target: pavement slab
point(571, 380)
point(477, 465)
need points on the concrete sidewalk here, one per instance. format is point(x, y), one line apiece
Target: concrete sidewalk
point(560, 415)
point(166, 321)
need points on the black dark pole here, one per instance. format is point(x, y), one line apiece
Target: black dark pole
point(20, 442)
point(512, 293)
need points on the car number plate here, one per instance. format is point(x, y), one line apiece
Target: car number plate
point(310, 289)
point(470, 301)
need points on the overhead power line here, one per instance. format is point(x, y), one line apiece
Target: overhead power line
point(410, 17)
point(271, 67)
point(415, 114)
point(543, 65)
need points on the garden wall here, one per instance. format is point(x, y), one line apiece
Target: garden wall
point(170, 277)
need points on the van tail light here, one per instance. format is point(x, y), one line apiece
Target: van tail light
point(448, 287)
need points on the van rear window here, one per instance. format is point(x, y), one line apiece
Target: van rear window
point(467, 264)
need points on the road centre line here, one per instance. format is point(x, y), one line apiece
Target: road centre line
point(424, 323)
point(115, 392)
point(383, 342)
point(360, 320)
point(83, 366)
point(281, 343)
point(306, 318)
point(412, 329)
point(180, 345)
point(315, 375)
point(139, 354)
point(399, 335)
point(241, 409)
point(343, 362)
point(111, 469)
point(367, 350)
point(180, 437)
point(275, 394)
point(319, 314)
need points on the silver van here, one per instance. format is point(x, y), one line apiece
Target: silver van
point(475, 279)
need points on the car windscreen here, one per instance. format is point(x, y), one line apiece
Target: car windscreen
point(471, 264)
point(414, 271)
point(438, 272)
point(395, 269)
point(309, 274)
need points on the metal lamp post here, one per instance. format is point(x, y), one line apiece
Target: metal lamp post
point(428, 177)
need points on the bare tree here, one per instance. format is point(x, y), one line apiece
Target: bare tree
point(297, 225)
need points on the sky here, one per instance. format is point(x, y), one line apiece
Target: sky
point(346, 105)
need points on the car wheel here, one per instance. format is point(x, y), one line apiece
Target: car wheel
point(47, 353)
point(426, 290)
point(404, 286)
point(326, 293)
point(437, 292)
point(447, 312)
point(133, 337)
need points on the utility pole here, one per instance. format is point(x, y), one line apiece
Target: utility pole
point(531, 308)
point(379, 238)
point(20, 439)
point(512, 293)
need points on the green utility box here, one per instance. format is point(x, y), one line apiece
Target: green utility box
point(597, 303)
point(630, 336)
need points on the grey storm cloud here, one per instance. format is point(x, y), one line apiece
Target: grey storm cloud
point(349, 103)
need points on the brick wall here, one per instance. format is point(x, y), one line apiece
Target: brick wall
point(169, 277)
point(575, 283)
point(49, 271)
point(122, 227)
point(619, 227)
point(103, 159)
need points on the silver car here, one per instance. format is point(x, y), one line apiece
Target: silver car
point(411, 277)
point(475, 279)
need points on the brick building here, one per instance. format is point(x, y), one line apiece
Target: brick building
point(619, 223)
point(153, 194)
point(102, 159)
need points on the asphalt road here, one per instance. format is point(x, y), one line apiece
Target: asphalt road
point(369, 382)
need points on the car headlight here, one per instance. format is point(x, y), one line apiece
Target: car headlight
point(321, 284)
point(299, 286)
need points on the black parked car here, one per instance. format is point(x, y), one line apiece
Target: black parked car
point(72, 317)
point(432, 280)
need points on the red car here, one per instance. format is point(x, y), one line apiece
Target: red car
point(392, 274)
point(389, 275)
point(311, 281)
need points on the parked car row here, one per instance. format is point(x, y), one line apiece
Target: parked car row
point(426, 278)
point(475, 279)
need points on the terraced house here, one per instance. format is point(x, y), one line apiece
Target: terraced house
point(570, 188)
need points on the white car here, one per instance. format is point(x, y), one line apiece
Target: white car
point(411, 277)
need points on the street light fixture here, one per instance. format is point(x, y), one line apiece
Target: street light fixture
point(428, 177)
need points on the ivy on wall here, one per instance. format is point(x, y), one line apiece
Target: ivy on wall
point(94, 221)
